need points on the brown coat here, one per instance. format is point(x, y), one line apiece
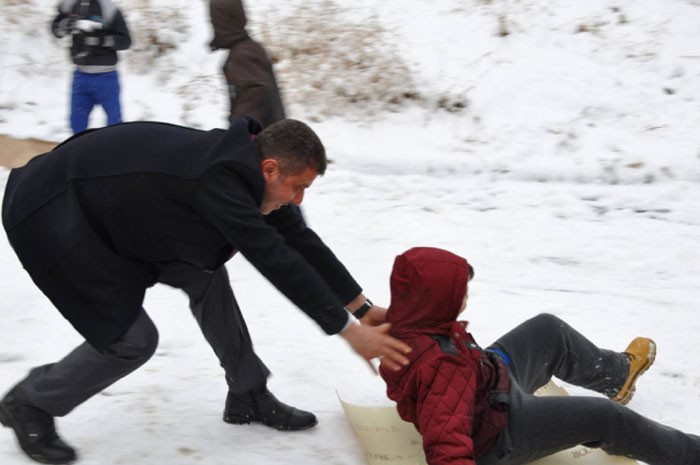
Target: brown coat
point(229, 20)
point(251, 80)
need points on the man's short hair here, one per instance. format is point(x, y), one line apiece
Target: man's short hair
point(294, 145)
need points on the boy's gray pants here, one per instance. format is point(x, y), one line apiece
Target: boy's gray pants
point(58, 388)
point(545, 346)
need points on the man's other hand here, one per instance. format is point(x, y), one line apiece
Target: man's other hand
point(371, 342)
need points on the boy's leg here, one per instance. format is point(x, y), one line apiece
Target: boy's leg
point(81, 102)
point(546, 346)
point(107, 94)
point(541, 426)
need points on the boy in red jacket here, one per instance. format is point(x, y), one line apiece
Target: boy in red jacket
point(477, 406)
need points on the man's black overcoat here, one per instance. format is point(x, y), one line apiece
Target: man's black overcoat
point(92, 221)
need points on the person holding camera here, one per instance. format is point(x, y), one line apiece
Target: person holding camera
point(98, 30)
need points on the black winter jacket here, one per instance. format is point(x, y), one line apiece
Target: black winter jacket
point(96, 50)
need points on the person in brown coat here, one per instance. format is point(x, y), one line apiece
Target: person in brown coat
point(252, 85)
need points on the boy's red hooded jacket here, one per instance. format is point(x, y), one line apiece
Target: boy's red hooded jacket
point(452, 391)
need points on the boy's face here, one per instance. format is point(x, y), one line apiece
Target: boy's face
point(466, 291)
point(464, 302)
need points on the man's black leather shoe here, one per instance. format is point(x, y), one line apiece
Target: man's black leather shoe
point(35, 431)
point(262, 407)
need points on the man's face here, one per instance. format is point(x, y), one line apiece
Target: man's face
point(281, 189)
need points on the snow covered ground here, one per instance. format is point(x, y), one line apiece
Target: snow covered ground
point(555, 145)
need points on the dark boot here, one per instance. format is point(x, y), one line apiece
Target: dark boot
point(35, 431)
point(262, 407)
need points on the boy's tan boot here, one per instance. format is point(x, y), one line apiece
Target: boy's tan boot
point(641, 352)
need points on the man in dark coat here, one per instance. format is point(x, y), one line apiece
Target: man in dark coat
point(252, 85)
point(110, 212)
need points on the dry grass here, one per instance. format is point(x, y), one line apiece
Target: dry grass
point(335, 65)
point(328, 62)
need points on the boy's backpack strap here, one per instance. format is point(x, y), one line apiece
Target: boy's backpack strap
point(446, 344)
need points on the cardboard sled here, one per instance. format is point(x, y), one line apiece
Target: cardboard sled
point(388, 440)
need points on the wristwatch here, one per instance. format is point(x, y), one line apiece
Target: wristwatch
point(364, 308)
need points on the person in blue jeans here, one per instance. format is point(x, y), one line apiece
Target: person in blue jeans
point(98, 31)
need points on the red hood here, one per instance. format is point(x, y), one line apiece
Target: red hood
point(427, 290)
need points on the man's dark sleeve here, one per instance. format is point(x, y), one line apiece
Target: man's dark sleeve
point(226, 200)
point(289, 221)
